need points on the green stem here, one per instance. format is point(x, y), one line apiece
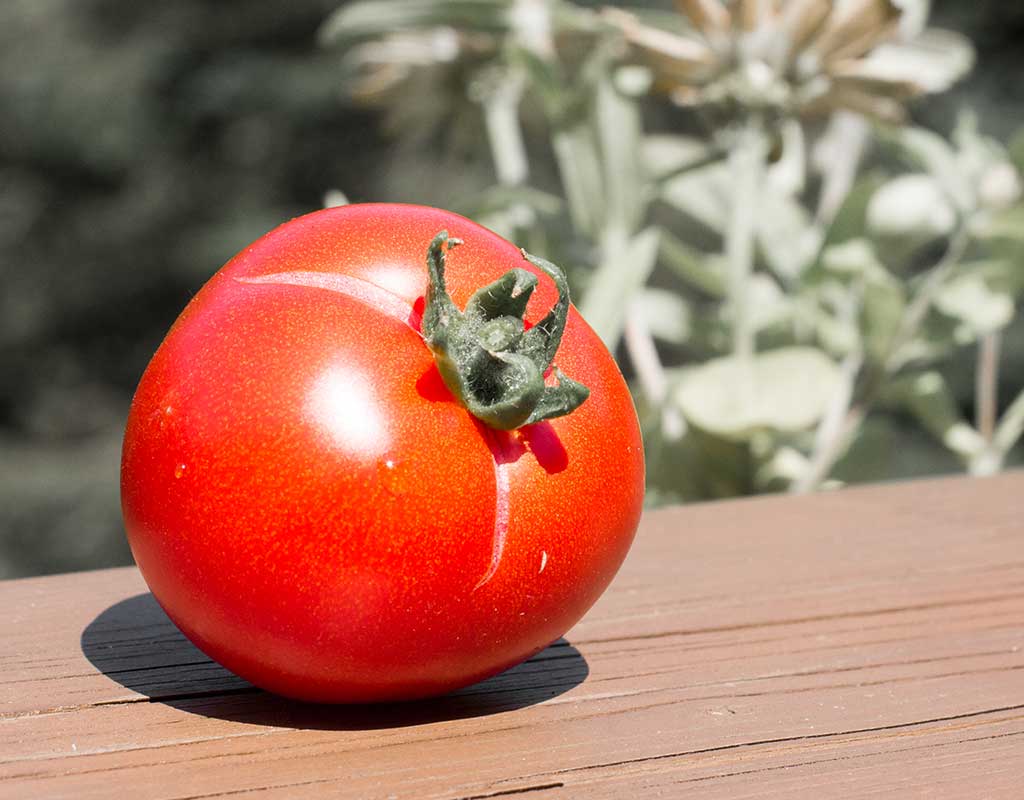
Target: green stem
point(917, 309)
point(488, 359)
point(746, 163)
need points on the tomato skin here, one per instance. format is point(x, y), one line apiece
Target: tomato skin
point(314, 510)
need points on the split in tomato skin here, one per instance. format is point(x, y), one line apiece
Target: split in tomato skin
point(316, 512)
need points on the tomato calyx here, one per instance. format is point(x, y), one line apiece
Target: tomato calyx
point(488, 359)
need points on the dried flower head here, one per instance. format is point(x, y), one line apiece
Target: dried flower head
point(798, 57)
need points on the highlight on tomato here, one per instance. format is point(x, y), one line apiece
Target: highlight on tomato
point(380, 456)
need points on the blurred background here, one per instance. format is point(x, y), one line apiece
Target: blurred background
point(142, 145)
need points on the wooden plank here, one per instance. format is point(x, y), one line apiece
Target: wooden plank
point(853, 644)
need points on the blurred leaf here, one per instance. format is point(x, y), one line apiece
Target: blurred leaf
point(334, 198)
point(1000, 274)
point(969, 299)
point(679, 470)
point(788, 237)
point(850, 220)
point(884, 303)
point(1011, 426)
point(931, 62)
point(666, 314)
point(498, 198)
point(667, 156)
point(853, 259)
point(633, 80)
point(837, 336)
point(785, 466)
point(889, 446)
point(933, 153)
point(938, 337)
point(701, 270)
point(580, 167)
point(371, 18)
point(1016, 150)
point(545, 78)
point(783, 390)
point(768, 304)
point(913, 16)
point(703, 195)
point(999, 186)
point(787, 176)
point(975, 152)
point(615, 282)
point(882, 297)
point(1006, 227)
point(618, 126)
point(928, 398)
point(837, 155)
point(912, 208)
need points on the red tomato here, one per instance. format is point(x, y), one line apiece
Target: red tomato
point(312, 507)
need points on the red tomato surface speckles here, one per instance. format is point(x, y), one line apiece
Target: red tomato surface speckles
point(314, 510)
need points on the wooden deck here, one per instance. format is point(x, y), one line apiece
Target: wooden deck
point(863, 643)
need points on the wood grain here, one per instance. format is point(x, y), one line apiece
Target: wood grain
point(861, 643)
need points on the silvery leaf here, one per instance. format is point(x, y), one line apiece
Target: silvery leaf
point(664, 155)
point(370, 18)
point(930, 63)
point(704, 195)
point(703, 271)
point(882, 298)
point(912, 208)
point(618, 127)
point(666, 314)
point(852, 258)
point(767, 303)
point(928, 398)
point(969, 299)
point(615, 282)
point(782, 390)
point(933, 153)
point(788, 237)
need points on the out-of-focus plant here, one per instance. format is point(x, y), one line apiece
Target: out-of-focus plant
point(743, 206)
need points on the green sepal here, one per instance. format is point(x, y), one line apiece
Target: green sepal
point(486, 357)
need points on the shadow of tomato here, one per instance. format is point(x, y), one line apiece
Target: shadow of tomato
point(135, 644)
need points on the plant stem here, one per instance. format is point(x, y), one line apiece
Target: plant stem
point(986, 385)
point(643, 355)
point(746, 163)
point(918, 308)
point(504, 134)
point(838, 424)
point(986, 402)
point(833, 446)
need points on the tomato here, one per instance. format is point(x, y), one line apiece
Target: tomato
point(315, 510)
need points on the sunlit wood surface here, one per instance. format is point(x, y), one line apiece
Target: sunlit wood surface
point(862, 643)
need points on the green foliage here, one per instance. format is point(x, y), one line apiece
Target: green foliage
point(777, 286)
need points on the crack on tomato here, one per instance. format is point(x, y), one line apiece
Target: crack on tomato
point(507, 447)
point(505, 451)
point(388, 303)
